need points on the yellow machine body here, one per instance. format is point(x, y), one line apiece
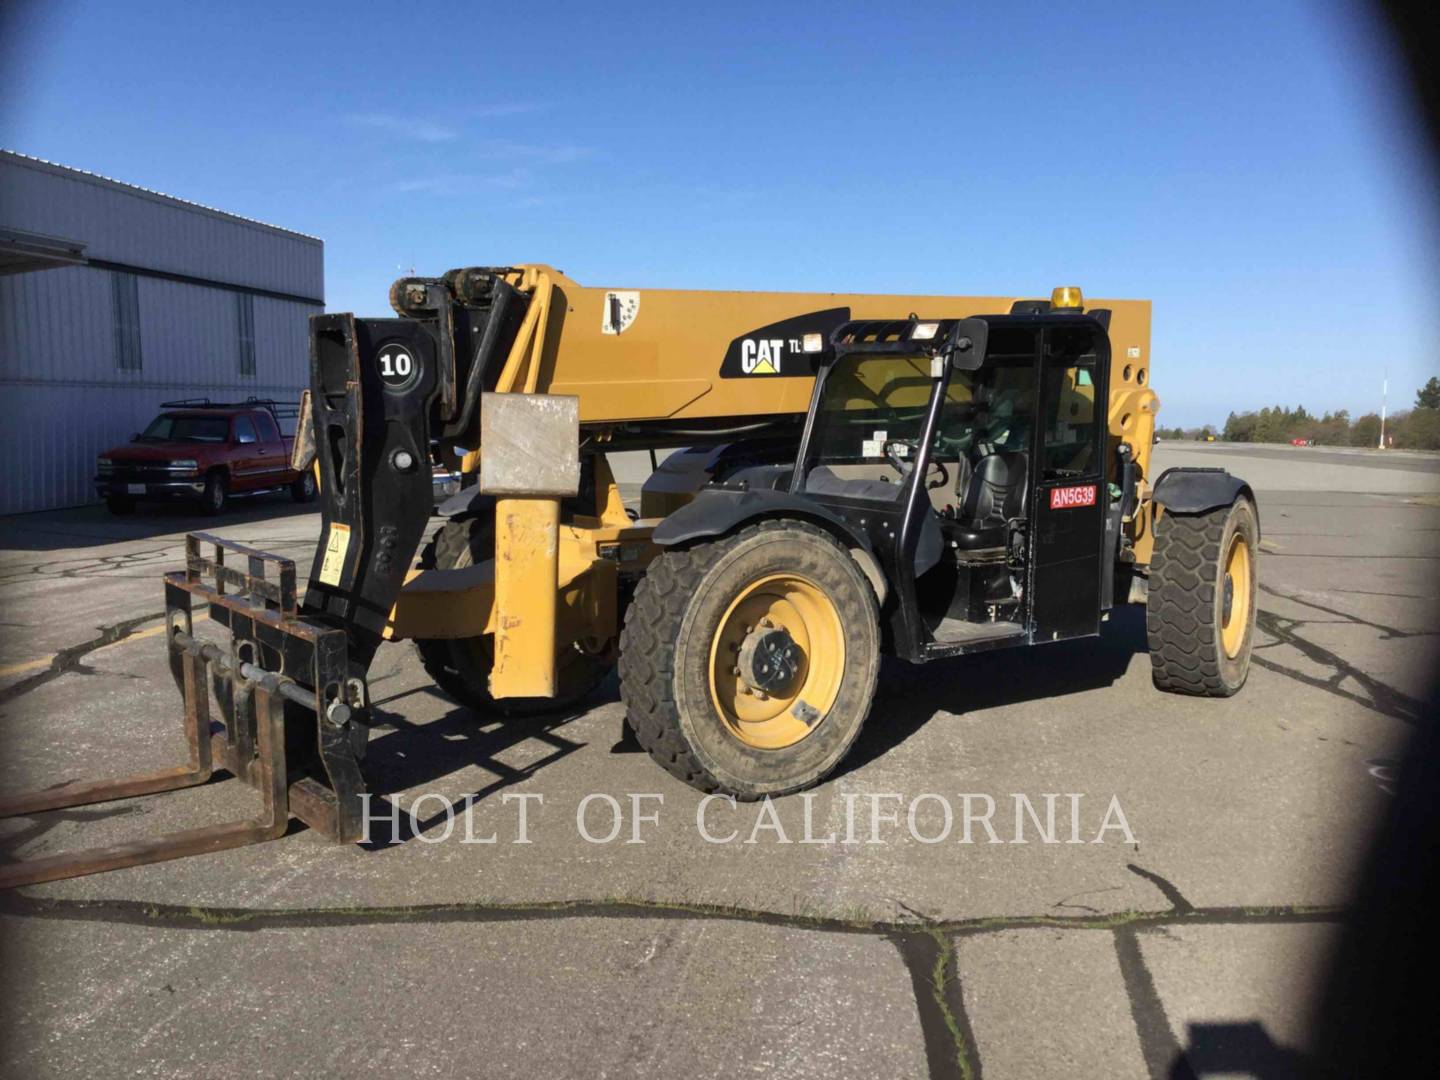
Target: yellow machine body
point(634, 355)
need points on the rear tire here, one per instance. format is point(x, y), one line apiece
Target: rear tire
point(689, 707)
point(119, 505)
point(461, 666)
point(1200, 615)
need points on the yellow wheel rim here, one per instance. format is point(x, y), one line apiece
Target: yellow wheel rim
point(1235, 596)
point(776, 661)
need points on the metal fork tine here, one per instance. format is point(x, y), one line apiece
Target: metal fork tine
point(268, 825)
point(84, 793)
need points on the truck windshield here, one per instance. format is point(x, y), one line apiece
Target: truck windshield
point(168, 427)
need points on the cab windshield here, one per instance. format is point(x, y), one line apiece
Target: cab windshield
point(870, 418)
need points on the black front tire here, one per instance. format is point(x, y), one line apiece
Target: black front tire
point(119, 505)
point(302, 488)
point(665, 659)
point(217, 493)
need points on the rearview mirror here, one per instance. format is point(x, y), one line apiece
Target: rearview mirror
point(971, 338)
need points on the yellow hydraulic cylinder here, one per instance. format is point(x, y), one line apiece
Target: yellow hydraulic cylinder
point(529, 460)
point(527, 545)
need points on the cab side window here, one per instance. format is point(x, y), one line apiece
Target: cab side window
point(244, 430)
point(1069, 447)
point(265, 424)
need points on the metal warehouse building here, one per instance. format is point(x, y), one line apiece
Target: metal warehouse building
point(113, 299)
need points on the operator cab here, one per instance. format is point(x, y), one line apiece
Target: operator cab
point(969, 455)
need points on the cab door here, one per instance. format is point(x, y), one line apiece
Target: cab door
point(249, 462)
point(271, 454)
point(1068, 500)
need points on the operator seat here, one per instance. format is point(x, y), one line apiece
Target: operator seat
point(997, 492)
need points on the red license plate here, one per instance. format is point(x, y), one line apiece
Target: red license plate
point(1063, 498)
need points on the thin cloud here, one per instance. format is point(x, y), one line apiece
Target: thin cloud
point(429, 131)
point(531, 153)
point(389, 124)
point(506, 108)
point(460, 183)
point(515, 165)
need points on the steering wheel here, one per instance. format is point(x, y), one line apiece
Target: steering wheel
point(899, 464)
point(904, 467)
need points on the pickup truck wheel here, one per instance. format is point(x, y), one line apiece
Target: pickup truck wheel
point(461, 666)
point(217, 493)
point(748, 665)
point(1200, 615)
point(119, 504)
point(302, 488)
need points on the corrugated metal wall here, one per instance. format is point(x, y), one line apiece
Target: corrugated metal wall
point(125, 224)
point(63, 399)
point(58, 326)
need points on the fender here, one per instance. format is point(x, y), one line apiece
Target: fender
point(719, 510)
point(1194, 491)
point(716, 511)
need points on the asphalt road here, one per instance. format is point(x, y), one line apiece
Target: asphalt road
point(821, 936)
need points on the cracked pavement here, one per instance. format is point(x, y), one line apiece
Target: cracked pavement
point(1198, 943)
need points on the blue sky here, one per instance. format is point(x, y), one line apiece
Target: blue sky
point(1251, 168)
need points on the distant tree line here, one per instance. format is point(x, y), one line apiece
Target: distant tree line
point(1414, 429)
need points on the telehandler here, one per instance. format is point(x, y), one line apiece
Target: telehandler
point(921, 475)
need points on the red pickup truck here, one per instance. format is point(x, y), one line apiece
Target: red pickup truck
point(203, 451)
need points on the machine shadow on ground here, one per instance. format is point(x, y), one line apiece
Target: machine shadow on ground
point(907, 697)
point(402, 755)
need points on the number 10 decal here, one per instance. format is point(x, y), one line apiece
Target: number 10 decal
point(397, 367)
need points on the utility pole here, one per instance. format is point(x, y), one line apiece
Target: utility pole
point(1384, 394)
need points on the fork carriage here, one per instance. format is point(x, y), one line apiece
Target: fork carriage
point(287, 700)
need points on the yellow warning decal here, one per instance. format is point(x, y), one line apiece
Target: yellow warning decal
point(336, 545)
